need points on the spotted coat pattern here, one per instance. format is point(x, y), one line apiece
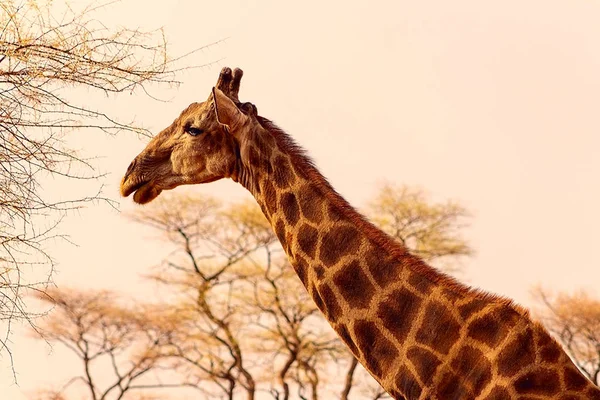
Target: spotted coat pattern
point(421, 334)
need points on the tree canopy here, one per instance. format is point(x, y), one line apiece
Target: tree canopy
point(574, 320)
point(47, 52)
point(240, 322)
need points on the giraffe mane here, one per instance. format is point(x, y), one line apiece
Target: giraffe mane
point(304, 164)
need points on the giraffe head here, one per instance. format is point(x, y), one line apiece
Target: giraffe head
point(200, 146)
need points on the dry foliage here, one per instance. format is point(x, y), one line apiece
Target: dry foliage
point(574, 319)
point(430, 230)
point(250, 324)
point(119, 346)
point(46, 53)
point(237, 323)
point(207, 273)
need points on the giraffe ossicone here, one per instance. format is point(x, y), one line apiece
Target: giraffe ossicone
point(420, 333)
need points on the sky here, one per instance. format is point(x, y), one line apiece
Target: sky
point(492, 104)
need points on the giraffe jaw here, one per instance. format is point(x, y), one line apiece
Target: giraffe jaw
point(143, 191)
point(146, 193)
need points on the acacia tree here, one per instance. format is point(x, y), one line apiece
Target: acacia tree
point(45, 54)
point(118, 346)
point(206, 272)
point(240, 321)
point(574, 319)
point(430, 230)
point(233, 264)
point(292, 332)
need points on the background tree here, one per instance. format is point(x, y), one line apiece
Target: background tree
point(206, 271)
point(244, 274)
point(236, 320)
point(118, 346)
point(47, 51)
point(430, 230)
point(574, 319)
point(293, 336)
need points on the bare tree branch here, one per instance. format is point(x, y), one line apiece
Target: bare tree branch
point(44, 59)
point(574, 320)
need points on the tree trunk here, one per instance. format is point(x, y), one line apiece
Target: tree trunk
point(349, 377)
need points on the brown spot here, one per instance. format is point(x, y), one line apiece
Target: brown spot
point(333, 213)
point(573, 379)
point(473, 306)
point(301, 267)
point(383, 267)
point(377, 351)
point(542, 338)
point(451, 387)
point(282, 174)
point(473, 367)
point(307, 240)
point(493, 328)
point(354, 285)
point(290, 208)
point(280, 231)
point(269, 196)
point(542, 381)
point(398, 312)
point(439, 330)
point(420, 283)
point(311, 203)
point(425, 362)
point(593, 393)
point(407, 384)
point(319, 271)
point(498, 393)
point(333, 310)
point(517, 354)
point(318, 300)
point(342, 330)
point(338, 242)
point(550, 353)
point(485, 330)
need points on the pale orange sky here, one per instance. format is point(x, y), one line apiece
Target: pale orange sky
point(492, 104)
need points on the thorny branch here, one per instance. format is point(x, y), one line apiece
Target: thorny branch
point(43, 60)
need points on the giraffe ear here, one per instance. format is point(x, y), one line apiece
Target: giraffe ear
point(226, 110)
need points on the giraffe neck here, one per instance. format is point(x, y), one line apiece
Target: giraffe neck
point(346, 264)
point(418, 332)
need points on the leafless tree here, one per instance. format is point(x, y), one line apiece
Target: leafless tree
point(574, 319)
point(48, 51)
point(110, 340)
point(249, 323)
point(206, 269)
point(292, 331)
point(430, 230)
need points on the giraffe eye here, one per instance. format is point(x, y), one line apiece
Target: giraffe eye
point(193, 131)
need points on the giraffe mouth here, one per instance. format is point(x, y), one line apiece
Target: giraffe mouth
point(146, 193)
point(143, 191)
point(129, 186)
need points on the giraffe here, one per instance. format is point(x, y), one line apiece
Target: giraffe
point(420, 333)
